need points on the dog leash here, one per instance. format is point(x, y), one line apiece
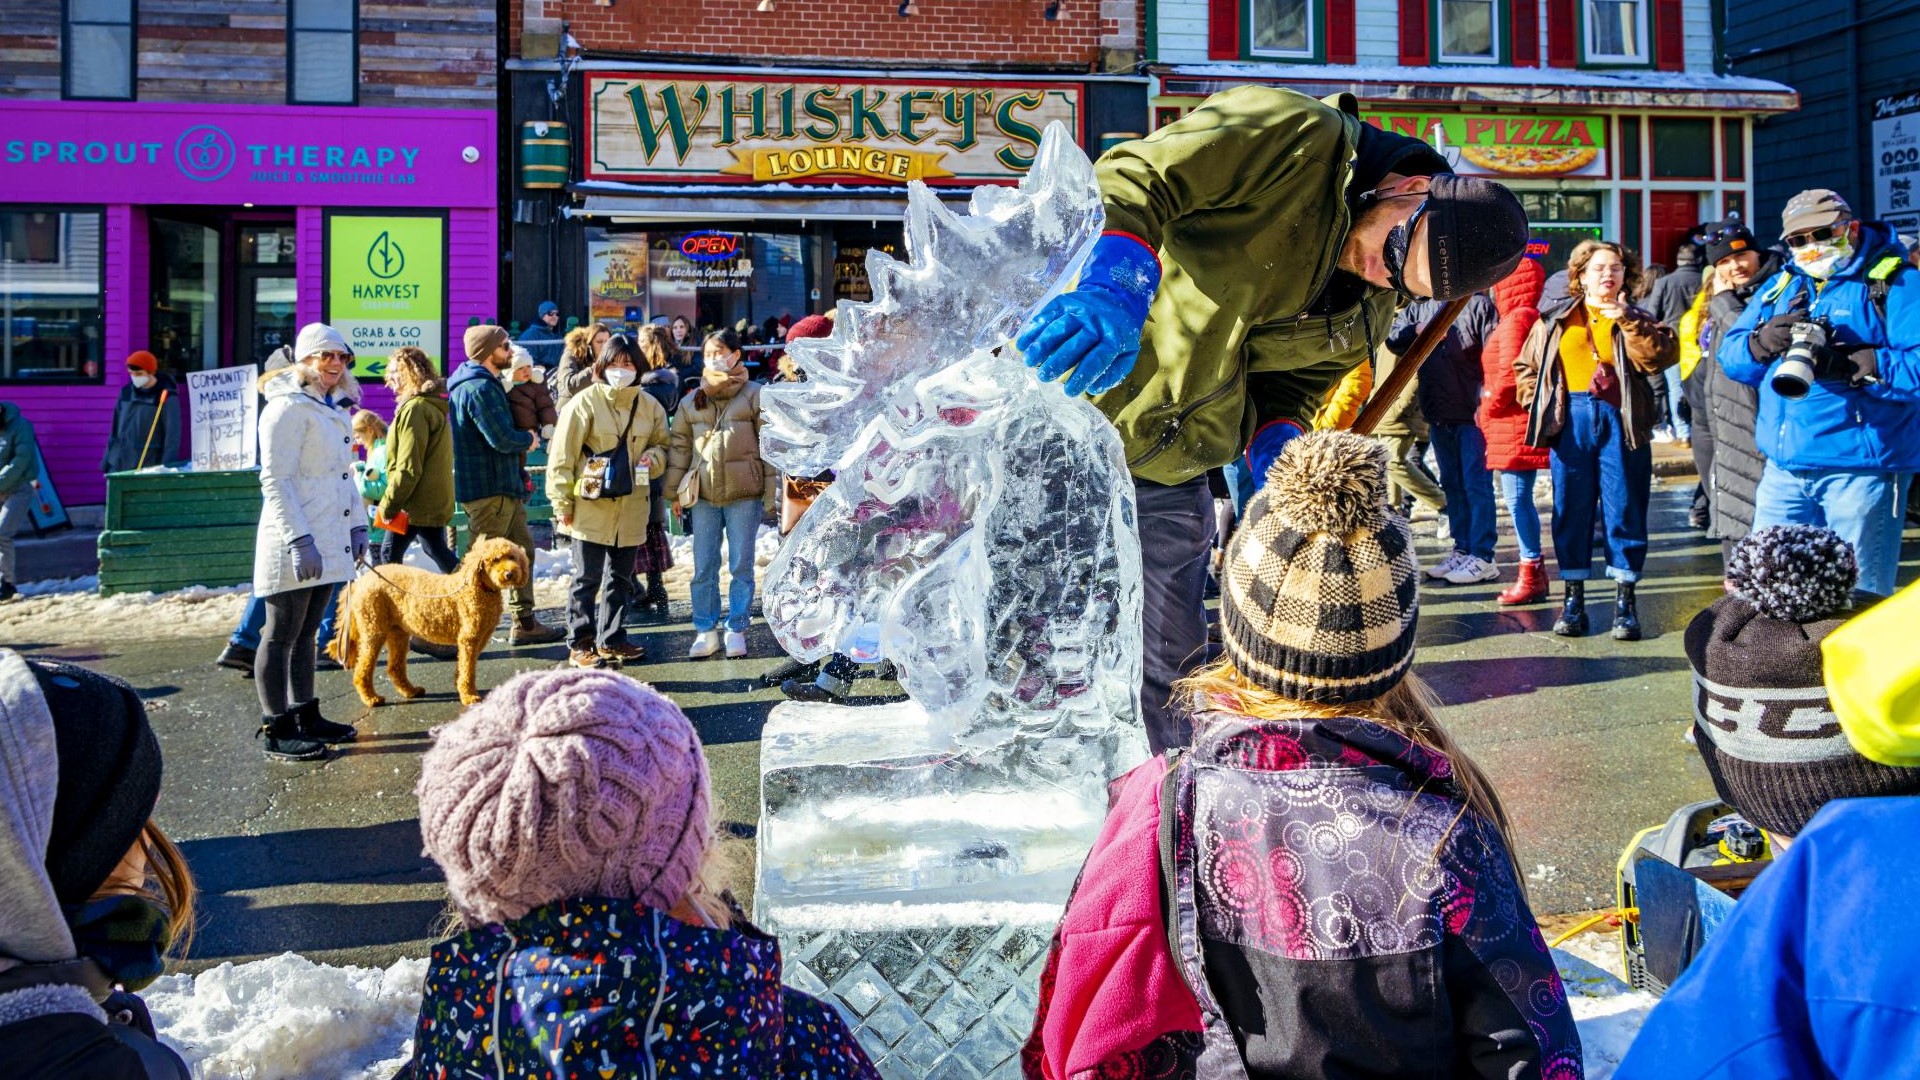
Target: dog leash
point(364, 563)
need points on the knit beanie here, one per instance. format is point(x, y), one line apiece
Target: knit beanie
point(481, 340)
point(810, 327)
point(1766, 731)
point(316, 338)
point(109, 775)
point(1322, 589)
point(565, 784)
point(143, 361)
point(1477, 232)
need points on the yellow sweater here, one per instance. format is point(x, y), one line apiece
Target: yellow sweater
point(1586, 343)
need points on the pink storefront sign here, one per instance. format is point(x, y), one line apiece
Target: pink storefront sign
point(280, 155)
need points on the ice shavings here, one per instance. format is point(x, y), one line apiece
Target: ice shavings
point(288, 1018)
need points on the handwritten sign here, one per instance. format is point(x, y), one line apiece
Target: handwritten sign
point(225, 408)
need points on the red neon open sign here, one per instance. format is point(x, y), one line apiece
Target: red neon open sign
point(709, 246)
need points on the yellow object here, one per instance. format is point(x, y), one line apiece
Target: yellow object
point(1345, 400)
point(1873, 679)
point(1689, 331)
point(1584, 345)
point(1623, 914)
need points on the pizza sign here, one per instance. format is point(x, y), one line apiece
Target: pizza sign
point(1511, 147)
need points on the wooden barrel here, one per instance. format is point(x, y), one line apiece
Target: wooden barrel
point(546, 154)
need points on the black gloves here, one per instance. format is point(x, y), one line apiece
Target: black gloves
point(1772, 337)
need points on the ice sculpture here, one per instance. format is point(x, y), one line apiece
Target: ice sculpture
point(980, 534)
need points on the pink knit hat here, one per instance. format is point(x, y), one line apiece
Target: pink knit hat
point(561, 784)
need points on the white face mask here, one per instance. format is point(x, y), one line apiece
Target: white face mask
point(621, 377)
point(142, 380)
point(1819, 261)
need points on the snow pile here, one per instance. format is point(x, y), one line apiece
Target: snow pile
point(288, 1018)
point(1607, 1011)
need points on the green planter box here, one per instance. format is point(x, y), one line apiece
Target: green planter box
point(169, 530)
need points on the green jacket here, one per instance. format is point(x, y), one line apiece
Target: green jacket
point(19, 451)
point(1245, 199)
point(420, 463)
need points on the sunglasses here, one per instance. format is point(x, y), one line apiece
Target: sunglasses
point(1821, 235)
point(330, 355)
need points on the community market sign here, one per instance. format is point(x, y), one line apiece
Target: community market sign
point(1510, 146)
point(677, 128)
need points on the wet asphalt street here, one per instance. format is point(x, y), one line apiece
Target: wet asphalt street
point(1581, 736)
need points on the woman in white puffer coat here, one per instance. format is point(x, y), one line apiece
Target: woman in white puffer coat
point(312, 533)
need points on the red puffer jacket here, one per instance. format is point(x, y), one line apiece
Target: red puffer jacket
point(1502, 419)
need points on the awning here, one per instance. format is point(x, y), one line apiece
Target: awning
point(773, 202)
point(1487, 86)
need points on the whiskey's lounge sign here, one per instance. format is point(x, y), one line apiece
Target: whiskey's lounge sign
point(777, 129)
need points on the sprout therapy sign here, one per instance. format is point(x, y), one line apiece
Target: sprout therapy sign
point(386, 286)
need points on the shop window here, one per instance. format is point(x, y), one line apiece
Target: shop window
point(1630, 148)
point(184, 324)
point(1682, 148)
point(97, 50)
point(323, 52)
point(50, 295)
point(1615, 31)
point(1559, 220)
point(1284, 29)
point(1632, 218)
point(1733, 148)
point(1469, 32)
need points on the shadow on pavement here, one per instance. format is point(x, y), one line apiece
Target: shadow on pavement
point(390, 851)
point(231, 926)
point(1461, 681)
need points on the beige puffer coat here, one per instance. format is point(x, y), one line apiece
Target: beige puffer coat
point(591, 423)
point(721, 441)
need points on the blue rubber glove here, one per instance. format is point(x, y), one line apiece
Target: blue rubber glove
point(1265, 448)
point(1094, 331)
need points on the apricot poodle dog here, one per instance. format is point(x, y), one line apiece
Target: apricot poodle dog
point(386, 606)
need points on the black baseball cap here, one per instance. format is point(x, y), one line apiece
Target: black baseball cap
point(1476, 234)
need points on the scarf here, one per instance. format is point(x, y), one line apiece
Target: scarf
point(126, 935)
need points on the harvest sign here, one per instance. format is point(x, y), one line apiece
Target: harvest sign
point(1509, 146)
point(644, 127)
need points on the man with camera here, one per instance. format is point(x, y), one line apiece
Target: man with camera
point(1833, 344)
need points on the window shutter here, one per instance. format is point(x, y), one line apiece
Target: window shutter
point(1562, 52)
point(1526, 33)
point(1669, 37)
point(1223, 29)
point(1413, 33)
point(1340, 32)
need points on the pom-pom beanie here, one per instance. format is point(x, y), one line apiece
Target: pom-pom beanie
point(565, 784)
point(1322, 589)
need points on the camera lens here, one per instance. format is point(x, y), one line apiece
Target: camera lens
point(1793, 378)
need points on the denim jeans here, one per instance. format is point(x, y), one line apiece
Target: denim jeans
point(1516, 489)
point(1461, 450)
point(740, 522)
point(594, 619)
point(1592, 465)
point(1176, 533)
point(1867, 509)
point(15, 509)
point(253, 621)
point(1677, 396)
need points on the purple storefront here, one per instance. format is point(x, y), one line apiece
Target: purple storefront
point(208, 234)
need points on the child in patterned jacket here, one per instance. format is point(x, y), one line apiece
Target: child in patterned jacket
point(570, 811)
point(1321, 884)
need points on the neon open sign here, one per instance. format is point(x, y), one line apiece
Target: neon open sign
point(710, 246)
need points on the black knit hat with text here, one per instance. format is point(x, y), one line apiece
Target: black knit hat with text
point(1322, 588)
point(1477, 233)
point(1765, 729)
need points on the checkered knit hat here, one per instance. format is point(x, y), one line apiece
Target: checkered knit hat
point(1322, 590)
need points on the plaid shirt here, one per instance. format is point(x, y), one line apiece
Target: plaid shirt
point(487, 450)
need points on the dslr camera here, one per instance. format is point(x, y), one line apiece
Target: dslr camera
point(1806, 359)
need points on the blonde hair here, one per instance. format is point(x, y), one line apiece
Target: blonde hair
point(412, 371)
point(1407, 710)
point(368, 427)
point(579, 341)
point(1583, 253)
point(656, 346)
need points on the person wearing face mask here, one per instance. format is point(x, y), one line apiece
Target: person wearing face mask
point(714, 470)
point(1842, 448)
point(603, 505)
point(1254, 252)
point(93, 895)
point(1576, 377)
point(135, 441)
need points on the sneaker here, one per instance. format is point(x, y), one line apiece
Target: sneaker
point(1447, 565)
point(1442, 529)
point(585, 656)
point(624, 653)
point(736, 644)
point(1470, 570)
point(1663, 434)
point(237, 657)
point(705, 644)
point(799, 691)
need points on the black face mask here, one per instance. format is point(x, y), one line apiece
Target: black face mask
point(1394, 252)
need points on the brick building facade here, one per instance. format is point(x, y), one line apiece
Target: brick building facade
point(732, 166)
point(198, 180)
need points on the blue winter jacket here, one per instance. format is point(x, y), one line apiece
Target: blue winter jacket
point(488, 451)
point(1813, 974)
point(1837, 426)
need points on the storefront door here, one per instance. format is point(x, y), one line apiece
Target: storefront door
point(223, 288)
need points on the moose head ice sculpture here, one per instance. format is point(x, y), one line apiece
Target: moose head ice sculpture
point(980, 532)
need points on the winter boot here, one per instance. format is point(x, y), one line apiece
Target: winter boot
point(318, 728)
point(1529, 585)
point(7, 590)
point(812, 691)
point(284, 741)
point(1573, 610)
point(1626, 614)
point(791, 669)
point(528, 630)
point(656, 591)
point(237, 657)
